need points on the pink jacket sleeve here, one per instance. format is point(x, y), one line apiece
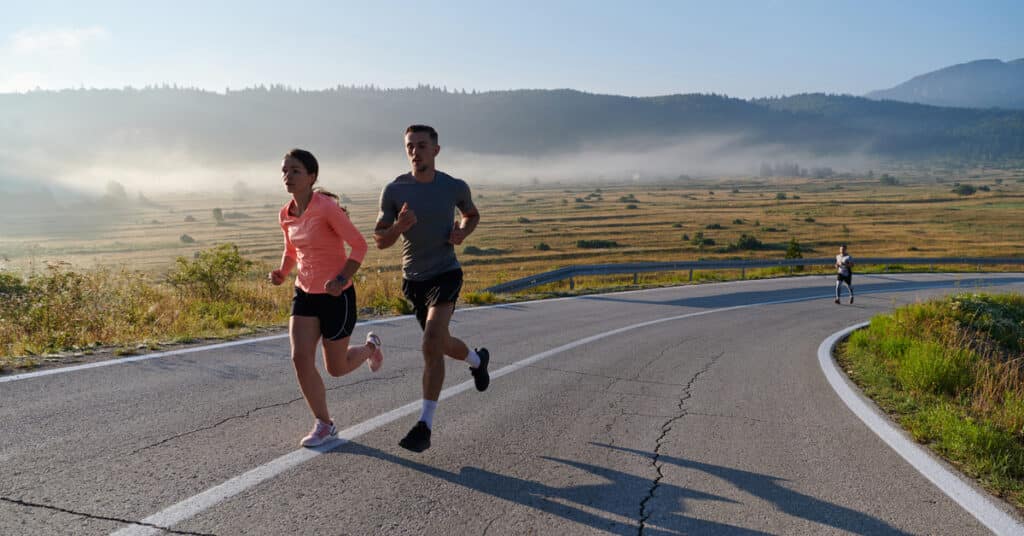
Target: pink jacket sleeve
point(342, 225)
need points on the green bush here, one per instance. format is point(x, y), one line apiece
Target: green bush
point(700, 240)
point(596, 244)
point(543, 246)
point(746, 241)
point(210, 275)
point(964, 189)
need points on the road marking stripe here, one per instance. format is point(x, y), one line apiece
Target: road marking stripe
point(196, 504)
point(146, 357)
point(978, 504)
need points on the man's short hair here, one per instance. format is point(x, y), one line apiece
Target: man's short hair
point(423, 128)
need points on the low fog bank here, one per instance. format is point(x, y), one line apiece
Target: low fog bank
point(33, 185)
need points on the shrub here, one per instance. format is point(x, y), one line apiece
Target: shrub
point(631, 207)
point(210, 274)
point(809, 219)
point(186, 239)
point(218, 216)
point(713, 226)
point(964, 189)
point(543, 246)
point(746, 241)
point(780, 195)
point(190, 218)
point(794, 251)
point(596, 244)
point(737, 221)
point(522, 219)
point(700, 240)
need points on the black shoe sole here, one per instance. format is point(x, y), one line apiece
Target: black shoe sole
point(414, 448)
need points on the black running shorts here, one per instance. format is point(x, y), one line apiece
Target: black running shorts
point(848, 278)
point(426, 294)
point(337, 314)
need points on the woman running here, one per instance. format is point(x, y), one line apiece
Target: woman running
point(316, 229)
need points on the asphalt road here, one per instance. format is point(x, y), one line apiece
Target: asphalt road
point(689, 410)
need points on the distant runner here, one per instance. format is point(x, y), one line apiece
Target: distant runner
point(844, 269)
point(420, 207)
point(316, 230)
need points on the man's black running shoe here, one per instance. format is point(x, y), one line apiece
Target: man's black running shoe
point(480, 376)
point(418, 439)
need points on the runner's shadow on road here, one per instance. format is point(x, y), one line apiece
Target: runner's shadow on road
point(619, 497)
point(825, 291)
point(769, 488)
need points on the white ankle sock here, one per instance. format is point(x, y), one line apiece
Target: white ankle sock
point(473, 359)
point(427, 415)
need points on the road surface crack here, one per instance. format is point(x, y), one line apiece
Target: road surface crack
point(250, 412)
point(645, 514)
point(28, 504)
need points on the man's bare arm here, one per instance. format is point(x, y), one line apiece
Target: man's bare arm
point(385, 235)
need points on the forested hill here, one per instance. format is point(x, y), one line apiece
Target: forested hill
point(252, 123)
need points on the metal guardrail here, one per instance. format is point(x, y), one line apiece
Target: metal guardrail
point(571, 272)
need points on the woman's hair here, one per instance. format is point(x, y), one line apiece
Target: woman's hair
point(313, 168)
point(308, 160)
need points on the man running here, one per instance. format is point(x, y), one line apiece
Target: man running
point(844, 272)
point(420, 207)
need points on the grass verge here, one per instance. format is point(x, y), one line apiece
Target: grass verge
point(951, 371)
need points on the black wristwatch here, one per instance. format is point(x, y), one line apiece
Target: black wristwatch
point(340, 279)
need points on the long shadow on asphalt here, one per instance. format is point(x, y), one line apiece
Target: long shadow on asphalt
point(770, 489)
point(825, 290)
point(622, 494)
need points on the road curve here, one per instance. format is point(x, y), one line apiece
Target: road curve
point(687, 410)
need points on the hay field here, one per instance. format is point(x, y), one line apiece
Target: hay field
point(918, 217)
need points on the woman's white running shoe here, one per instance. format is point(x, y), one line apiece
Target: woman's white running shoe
point(376, 359)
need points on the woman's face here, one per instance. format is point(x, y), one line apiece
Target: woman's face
point(296, 178)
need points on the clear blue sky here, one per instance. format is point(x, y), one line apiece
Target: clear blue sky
point(742, 49)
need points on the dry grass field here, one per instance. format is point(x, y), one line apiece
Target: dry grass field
point(526, 230)
point(76, 278)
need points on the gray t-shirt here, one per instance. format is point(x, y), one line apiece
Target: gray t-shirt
point(426, 252)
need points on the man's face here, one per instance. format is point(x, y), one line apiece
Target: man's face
point(421, 150)
point(842, 250)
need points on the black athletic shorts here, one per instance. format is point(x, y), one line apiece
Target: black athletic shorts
point(426, 294)
point(337, 314)
point(848, 278)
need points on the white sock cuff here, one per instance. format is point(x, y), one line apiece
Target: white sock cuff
point(473, 358)
point(427, 415)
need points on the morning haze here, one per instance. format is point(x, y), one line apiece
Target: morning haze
point(159, 140)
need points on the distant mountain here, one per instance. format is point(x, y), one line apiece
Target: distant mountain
point(976, 84)
point(98, 129)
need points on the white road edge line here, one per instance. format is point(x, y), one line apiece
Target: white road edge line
point(146, 357)
point(196, 504)
point(978, 504)
point(157, 355)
